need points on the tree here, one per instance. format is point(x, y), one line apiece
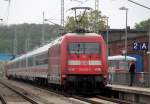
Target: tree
point(23, 31)
point(143, 25)
point(91, 21)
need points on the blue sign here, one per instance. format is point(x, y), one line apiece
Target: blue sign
point(140, 46)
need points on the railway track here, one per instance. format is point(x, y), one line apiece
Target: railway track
point(11, 94)
point(82, 99)
point(2, 100)
point(98, 99)
point(101, 100)
point(8, 96)
point(118, 101)
point(92, 100)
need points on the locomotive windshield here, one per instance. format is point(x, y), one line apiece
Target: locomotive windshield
point(84, 48)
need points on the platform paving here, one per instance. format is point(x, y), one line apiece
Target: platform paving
point(130, 89)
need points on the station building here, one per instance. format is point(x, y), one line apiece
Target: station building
point(137, 45)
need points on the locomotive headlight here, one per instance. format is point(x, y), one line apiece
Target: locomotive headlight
point(74, 62)
point(71, 69)
point(95, 62)
point(98, 69)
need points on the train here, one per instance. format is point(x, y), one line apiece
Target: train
point(74, 61)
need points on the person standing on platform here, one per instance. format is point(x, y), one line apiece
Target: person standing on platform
point(132, 72)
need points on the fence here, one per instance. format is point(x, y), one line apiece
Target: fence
point(141, 79)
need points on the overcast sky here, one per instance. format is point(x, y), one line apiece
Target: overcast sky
point(30, 11)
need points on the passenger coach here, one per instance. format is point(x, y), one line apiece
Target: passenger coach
point(73, 61)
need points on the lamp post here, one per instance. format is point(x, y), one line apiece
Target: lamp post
point(107, 33)
point(107, 36)
point(126, 32)
point(43, 30)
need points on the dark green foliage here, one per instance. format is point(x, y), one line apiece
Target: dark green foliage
point(88, 22)
point(24, 31)
point(143, 25)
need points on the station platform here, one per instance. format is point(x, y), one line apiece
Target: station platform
point(135, 94)
point(130, 89)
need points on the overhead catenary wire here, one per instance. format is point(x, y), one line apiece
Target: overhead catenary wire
point(139, 4)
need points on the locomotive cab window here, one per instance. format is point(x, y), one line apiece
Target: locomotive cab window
point(84, 48)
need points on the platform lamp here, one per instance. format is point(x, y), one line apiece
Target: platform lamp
point(126, 32)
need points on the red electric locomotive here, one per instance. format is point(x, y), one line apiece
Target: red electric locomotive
point(73, 61)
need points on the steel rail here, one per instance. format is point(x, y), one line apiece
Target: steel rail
point(82, 98)
point(57, 92)
point(24, 95)
point(86, 100)
point(3, 100)
point(113, 100)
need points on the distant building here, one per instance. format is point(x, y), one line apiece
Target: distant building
point(137, 45)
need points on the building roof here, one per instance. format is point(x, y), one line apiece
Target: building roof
point(121, 57)
point(119, 34)
point(123, 30)
point(6, 57)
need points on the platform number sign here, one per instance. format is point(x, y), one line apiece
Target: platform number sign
point(140, 46)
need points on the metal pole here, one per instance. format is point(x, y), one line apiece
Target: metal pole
point(126, 36)
point(43, 30)
point(62, 13)
point(96, 16)
point(149, 51)
point(126, 31)
point(107, 38)
point(15, 41)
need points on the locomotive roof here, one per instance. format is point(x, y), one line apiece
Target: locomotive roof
point(45, 48)
point(121, 57)
point(82, 34)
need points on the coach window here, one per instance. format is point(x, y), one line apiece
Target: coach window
point(20, 63)
point(42, 59)
point(23, 63)
point(17, 64)
point(45, 58)
point(30, 61)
